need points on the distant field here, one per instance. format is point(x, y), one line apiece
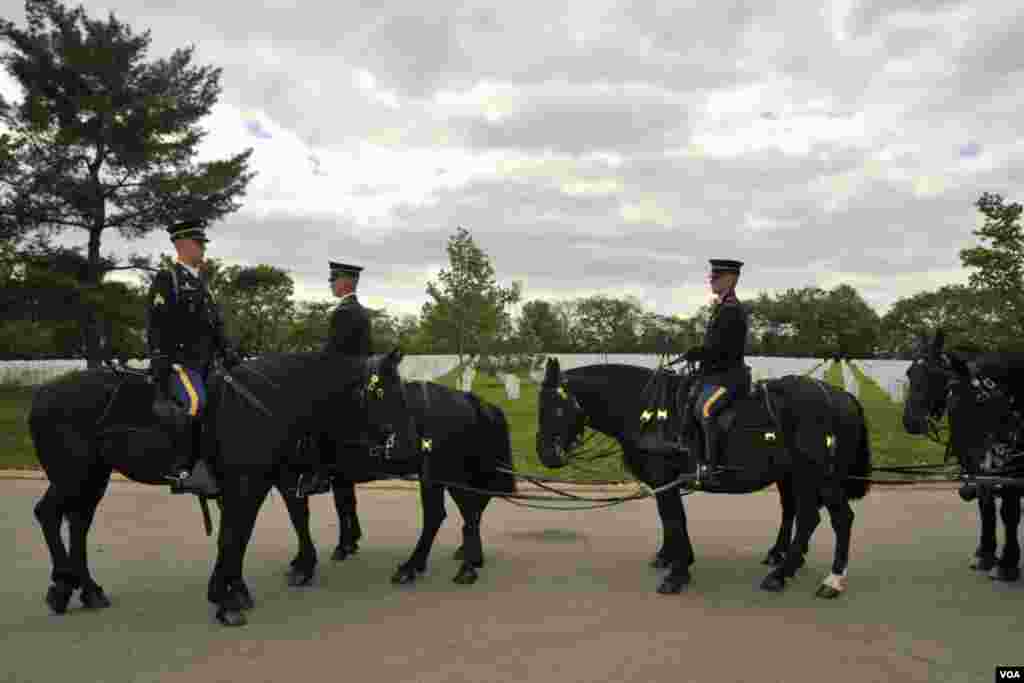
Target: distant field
point(890, 444)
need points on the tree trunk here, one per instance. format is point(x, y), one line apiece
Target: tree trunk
point(91, 320)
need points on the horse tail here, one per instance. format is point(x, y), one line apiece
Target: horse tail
point(858, 488)
point(496, 441)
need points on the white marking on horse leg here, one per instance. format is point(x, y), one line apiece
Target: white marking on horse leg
point(836, 582)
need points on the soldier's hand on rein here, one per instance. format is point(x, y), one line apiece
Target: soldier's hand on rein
point(231, 359)
point(160, 368)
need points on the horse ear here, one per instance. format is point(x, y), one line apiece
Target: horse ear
point(551, 372)
point(940, 340)
point(395, 356)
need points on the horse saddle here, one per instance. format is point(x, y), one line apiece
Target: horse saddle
point(751, 435)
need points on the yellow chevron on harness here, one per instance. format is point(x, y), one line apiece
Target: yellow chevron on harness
point(646, 415)
point(829, 440)
point(662, 414)
point(193, 397)
point(711, 401)
point(426, 444)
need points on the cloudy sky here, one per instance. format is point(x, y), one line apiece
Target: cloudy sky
point(600, 147)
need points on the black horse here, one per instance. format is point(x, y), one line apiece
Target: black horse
point(807, 437)
point(86, 425)
point(983, 397)
point(464, 442)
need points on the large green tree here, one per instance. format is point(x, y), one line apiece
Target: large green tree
point(541, 329)
point(606, 325)
point(969, 317)
point(104, 139)
point(258, 307)
point(467, 311)
point(999, 266)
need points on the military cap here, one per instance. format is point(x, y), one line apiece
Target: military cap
point(192, 229)
point(719, 265)
point(344, 270)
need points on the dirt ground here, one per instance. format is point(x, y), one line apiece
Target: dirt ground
point(565, 596)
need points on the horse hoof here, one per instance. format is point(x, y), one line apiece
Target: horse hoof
point(660, 562)
point(983, 563)
point(773, 583)
point(94, 598)
point(1005, 573)
point(343, 552)
point(460, 554)
point(774, 558)
point(467, 575)
point(827, 592)
point(230, 617)
point(404, 576)
point(300, 576)
point(672, 585)
point(58, 596)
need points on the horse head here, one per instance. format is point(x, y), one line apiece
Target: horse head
point(561, 420)
point(930, 375)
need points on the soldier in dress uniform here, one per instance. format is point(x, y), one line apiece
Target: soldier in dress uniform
point(349, 334)
point(723, 374)
point(185, 330)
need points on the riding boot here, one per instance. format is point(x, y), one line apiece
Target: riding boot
point(192, 474)
point(712, 464)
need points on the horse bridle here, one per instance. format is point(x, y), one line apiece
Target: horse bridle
point(371, 387)
point(562, 390)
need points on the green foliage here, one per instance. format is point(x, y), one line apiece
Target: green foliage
point(467, 311)
point(814, 322)
point(541, 329)
point(605, 325)
point(999, 264)
point(257, 307)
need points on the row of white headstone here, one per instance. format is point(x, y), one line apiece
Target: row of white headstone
point(888, 374)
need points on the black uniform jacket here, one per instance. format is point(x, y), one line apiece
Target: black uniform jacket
point(724, 342)
point(350, 329)
point(184, 323)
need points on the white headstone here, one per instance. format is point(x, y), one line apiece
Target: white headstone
point(511, 386)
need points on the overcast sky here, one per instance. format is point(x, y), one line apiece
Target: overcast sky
point(597, 147)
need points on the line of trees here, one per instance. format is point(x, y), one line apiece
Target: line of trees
point(106, 140)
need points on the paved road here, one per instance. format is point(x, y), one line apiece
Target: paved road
point(566, 596)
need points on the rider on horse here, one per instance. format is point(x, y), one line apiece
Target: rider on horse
point(349, 335)
point(184, 331)
point(723, 374)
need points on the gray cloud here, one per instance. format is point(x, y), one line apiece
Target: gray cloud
point(936, 85)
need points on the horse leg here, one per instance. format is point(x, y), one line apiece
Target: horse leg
point(777, 553)
point(662, 558)
point(677, 540)
point(80, 518)
point(432, 502)
point(243, 494)
point(841, 515)
point(807, 520)
point(985, 556)
point(303, 566)
point(349, 530)
point(49, 511)
point(1007, 568)
point(471, 507)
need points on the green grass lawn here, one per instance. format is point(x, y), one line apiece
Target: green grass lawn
point(15, 445)
point(889, 443)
